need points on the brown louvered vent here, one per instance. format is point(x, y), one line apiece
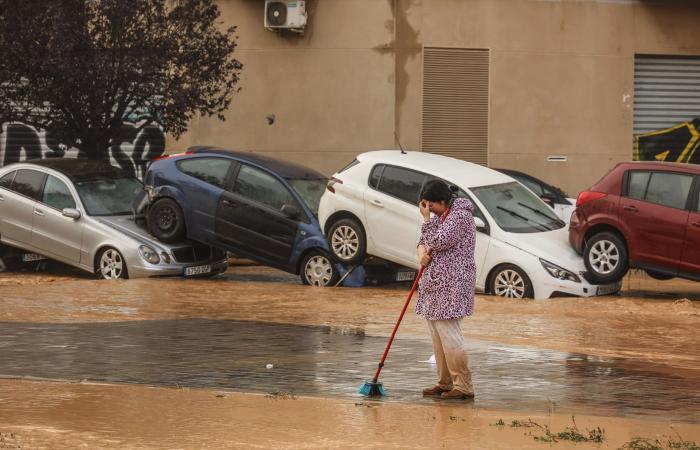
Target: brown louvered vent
point(456, 103)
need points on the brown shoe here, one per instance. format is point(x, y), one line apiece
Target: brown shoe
point(434, 391)
point(454, 394)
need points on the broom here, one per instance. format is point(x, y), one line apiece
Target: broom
point(374, 387)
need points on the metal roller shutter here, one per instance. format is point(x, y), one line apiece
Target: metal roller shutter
point(456, 103)
point(667, 108)
point(666, 91)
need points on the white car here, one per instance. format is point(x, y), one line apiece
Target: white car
point(522, 250)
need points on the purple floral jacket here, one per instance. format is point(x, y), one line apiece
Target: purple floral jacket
point(446, 290)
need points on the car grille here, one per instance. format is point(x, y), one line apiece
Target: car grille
point(192, 254)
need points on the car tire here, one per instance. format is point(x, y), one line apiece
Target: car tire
point(347, 241)
point(166, 220)
point(659, 276)
point(510, 281)
point(110, 265)
point(605, 257)
point(318, 269)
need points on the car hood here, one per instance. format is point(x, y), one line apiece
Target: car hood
point(552, 246)
point(127, 226)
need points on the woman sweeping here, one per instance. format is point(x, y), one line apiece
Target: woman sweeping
point(446, 291)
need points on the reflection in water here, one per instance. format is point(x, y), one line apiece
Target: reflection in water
point(333, 361)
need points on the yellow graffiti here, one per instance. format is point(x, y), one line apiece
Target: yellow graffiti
point(662, 156)
point(685, 156)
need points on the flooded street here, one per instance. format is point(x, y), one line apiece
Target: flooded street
point(632, 359)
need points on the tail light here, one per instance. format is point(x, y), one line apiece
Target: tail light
point(332, 182)
point(587, 196)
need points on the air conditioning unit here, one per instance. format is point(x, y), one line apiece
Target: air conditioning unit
point(285, 15)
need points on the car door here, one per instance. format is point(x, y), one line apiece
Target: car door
point(203, 191)
point(690, 257)
point(53, 234)
point(250, 220)
point(392, 215)
point(18, 203)
point(654, 210)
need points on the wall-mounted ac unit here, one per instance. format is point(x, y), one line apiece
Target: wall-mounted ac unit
point(285, 15)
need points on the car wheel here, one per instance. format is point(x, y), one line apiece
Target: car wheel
point(318, 269)
point(659, 276)
point(347, 241)
point(166, 220)
point(510, 281)
point(111, 265)
point(605, 257)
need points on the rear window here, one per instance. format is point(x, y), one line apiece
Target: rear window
point(209, 170)
point(663, 188)
point(28, 182)
point(375, 176)
point(402, 183)
point(6, 180)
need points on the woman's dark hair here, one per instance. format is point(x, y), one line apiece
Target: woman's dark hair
point(436, 191)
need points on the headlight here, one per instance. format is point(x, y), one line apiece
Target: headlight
point(559, 272)
point(148, 254)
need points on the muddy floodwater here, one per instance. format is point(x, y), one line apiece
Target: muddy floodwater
point(258, 336)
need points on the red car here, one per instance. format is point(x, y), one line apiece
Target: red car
point(642, 215)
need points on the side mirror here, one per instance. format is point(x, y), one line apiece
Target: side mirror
point(71, 213)
point(480, 224)
point(290, 211)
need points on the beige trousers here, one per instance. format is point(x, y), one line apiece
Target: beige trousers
point(451, 355)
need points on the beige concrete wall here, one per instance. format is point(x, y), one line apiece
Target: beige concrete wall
point(331, 90)
point(561, 80)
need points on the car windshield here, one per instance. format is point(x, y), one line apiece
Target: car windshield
point(310, 190)
point(516, 209)
point(108, 196)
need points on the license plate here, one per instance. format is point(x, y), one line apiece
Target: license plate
point(405, 276)
point(29, 257)
point(197, 270)
point(608, 289)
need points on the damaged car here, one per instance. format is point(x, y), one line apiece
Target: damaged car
point(78, 212)
point(255, 206)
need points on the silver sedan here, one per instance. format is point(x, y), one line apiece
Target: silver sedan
point(79, 212)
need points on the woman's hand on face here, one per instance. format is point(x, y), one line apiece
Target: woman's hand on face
point(425, 260)
point(424, 209)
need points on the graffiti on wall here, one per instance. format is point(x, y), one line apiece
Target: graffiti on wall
point(131, 151)
point(676, 144)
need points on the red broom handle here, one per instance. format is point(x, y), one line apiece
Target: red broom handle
point(403, 311)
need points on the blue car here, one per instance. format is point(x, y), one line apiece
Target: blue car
point(258, 207)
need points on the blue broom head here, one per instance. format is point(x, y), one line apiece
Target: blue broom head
point(370, 389)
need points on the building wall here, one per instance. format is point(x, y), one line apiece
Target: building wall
point(561, 78)
point(331, 91)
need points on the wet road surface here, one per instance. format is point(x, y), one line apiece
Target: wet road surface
point(635, 355)
point(334, 361)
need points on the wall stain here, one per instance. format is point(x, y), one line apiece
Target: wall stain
point(407, 47)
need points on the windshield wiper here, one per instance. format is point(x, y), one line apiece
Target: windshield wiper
point(514, 214)
point(537, 211)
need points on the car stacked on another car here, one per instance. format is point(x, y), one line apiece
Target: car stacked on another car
point(78, 212)
point(252, 205)
point(553, 196)
point(643, 215)
point(522, 250)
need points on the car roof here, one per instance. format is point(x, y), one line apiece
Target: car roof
point(462, 173)
point(285, 169)
point(661, 165)
point(79, 169)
